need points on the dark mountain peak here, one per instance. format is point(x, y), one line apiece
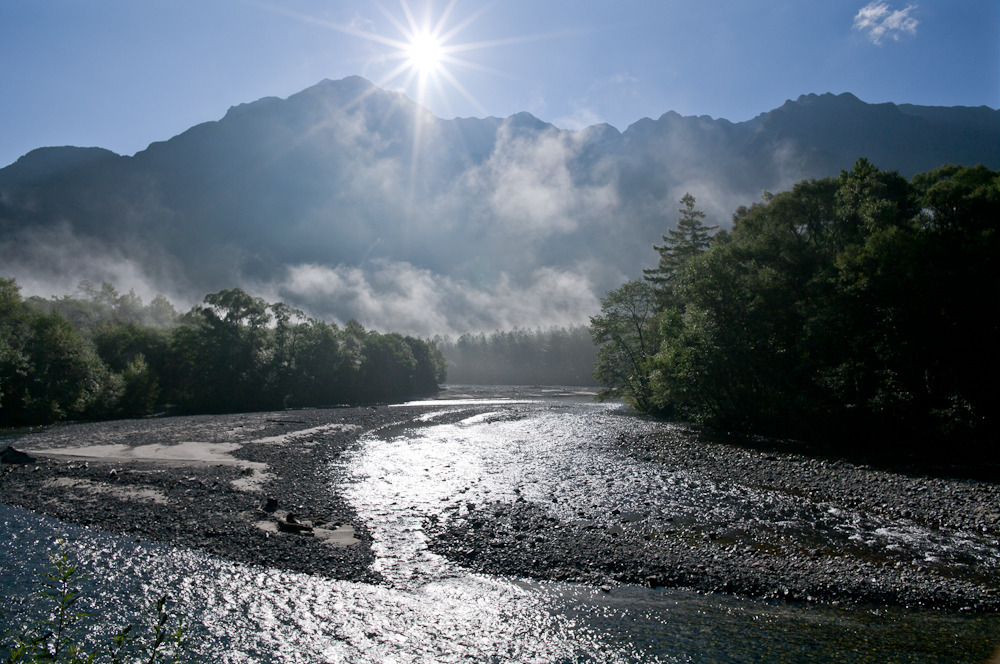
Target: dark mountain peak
point(674, 116)
point(825, 112)
point(527, 121)
point(673, 124)
point(600, 132)
point(45, 163)
point(348, 84)
point(648, 126)
point(251, 107)
point(262, 124)
point(491, 121)
point(355, 94)
point(673, 119)
point(981, 119)
point(344, 91)
point(844, 99)
point(832, 131)
point(348, 94)
point(640, 126)
point(827, 105)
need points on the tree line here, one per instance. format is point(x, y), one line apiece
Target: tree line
point(103, 354)
point(554, 356)
point(856, 310)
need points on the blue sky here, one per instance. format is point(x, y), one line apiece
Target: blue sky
point(121, 74)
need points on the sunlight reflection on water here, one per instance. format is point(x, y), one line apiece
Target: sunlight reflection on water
point(557, 457)
point(465, 402)
point(246, 614)
point(431, 610)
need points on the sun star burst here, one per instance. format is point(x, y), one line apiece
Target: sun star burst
point(424, 53)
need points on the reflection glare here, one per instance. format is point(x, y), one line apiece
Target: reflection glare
point(432, 610)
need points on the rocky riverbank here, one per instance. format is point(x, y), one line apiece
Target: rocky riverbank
point(225, 484)
point(261, 488)
point(710, 555)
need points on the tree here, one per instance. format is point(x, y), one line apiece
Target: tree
point(160, 312)
point(47, 370)
point(853, 310)
point(626, 336)
point(220, 354)
point(324, 368)
point(431, 369)
point(93, 307)
point(387, 368)
point(283, 350)
point(139, 388)
point(690, 238)
point(918, 351)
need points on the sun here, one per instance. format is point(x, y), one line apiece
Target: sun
point(424, 53)
point(427, 51)
point(425, 56)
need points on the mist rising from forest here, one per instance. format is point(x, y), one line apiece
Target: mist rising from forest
point(351, 202)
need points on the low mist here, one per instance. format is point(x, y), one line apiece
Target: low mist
point(351, 202)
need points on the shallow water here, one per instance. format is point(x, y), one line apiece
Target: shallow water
point(556, 455)
point(430, 610)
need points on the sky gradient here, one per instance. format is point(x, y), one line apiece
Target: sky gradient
point(121, 74)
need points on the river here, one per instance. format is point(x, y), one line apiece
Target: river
point(526, 447)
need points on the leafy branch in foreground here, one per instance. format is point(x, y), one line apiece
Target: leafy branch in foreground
point(58, 637)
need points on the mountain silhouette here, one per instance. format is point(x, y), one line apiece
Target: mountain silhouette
point(352, 201)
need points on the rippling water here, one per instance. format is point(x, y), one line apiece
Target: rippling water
point(430, 610)
point(556, 455)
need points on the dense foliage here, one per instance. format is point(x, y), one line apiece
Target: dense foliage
point(556, 356)
point(105, 354)
point(856, 308)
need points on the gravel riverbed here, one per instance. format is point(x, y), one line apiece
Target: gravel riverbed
point(712, 555)
point(279, 463)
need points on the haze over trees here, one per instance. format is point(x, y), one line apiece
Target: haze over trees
point(854, 309)
point(106, 355)
point(556, 356)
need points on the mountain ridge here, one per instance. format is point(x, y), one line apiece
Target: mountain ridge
point(804, 99)
point(376, 194)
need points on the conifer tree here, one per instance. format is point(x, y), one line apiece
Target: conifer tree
point(688, 239)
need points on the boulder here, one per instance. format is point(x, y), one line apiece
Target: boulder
point(11, 456)
point(290, 524)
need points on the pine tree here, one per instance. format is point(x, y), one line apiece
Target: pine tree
point(681, 244)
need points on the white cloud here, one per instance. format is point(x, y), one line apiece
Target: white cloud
point(530, 190)
point(399, 297)
point(881, 22)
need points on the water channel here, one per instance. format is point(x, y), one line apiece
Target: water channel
point(431, 610)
